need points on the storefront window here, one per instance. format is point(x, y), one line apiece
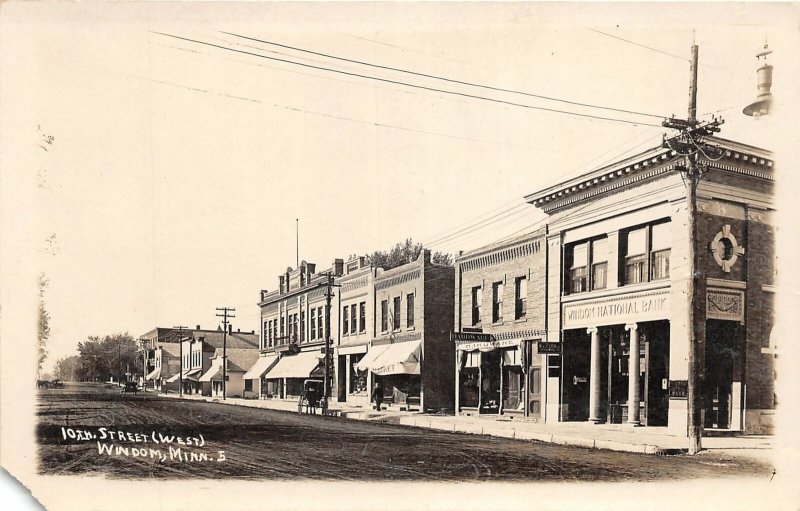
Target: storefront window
point(358, 379)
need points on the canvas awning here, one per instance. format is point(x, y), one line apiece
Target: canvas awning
point(295, 366)
point(374, 352)
point(214, 372)
point(187, 375)
point(399, 358)
point(262, 365)
point(154, 375)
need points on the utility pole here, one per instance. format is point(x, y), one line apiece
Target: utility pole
point(180, 351)
point(226, 313)
point(689, 143)
point(328, 350)
point(119, 361)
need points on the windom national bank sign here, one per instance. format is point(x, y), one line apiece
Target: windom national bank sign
point(646, 306)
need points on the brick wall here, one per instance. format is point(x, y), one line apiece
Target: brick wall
point(439, 361)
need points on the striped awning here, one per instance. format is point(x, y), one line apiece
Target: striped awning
point(154, 375)
point(262, 365)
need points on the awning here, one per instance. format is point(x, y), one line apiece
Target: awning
point(262, 365)
point(187, 375)
point(369, 359)
point(214, 371)
point(154, 375)
point(295, 366)
point(399, 358)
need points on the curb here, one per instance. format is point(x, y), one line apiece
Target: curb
point(418, 421)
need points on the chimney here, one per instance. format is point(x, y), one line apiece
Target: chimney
point(238, 330)
point(230, 328)
point(198, 327)
point(338, 267)
point(281, 282)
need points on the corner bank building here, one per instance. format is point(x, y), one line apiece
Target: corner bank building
point(614, 345)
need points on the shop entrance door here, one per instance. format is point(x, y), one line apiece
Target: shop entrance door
point(722, 347)
point(490, 382)
point(575, 386)
point(513, 389)
point(535, 386)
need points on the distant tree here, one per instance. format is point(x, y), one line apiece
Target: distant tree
point(68, 368)
point(43, 322)
point(404, 253)
point(112, 355)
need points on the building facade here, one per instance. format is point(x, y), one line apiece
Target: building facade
point(499, 326)
point(410, 354)
point(295, 323)
point(356, 327)
point(616, 295)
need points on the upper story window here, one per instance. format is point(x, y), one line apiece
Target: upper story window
point(313, 324)
point(497, 302)
point(265, 334)
point(396, 314)
point(384, 316)
point(302, 326)
point(362, 312)
point(353, 319)
point(320, 323)
point(345, 320)
point(283, 322)
point(409, 310)
point(520, 297)
point(635, 262)
point(659, 251)
point(579, 269)
point(599, 267)
point(477, 298)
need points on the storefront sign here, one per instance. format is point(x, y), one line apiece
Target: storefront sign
point(486, 345)
point(629, 308)
point(679, 389)
point(470, 337)
point(549, 347)
point(725, 304)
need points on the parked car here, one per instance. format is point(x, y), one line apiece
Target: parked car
point(130, 386)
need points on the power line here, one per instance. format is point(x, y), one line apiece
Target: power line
point(451, 80)
point(407, 84)
point(638, 44)
point(482, 224)
point(516, 200)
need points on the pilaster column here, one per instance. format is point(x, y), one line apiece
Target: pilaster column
point(594, 377)
point(633, 375)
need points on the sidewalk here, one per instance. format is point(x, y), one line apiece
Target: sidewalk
point(615, 437)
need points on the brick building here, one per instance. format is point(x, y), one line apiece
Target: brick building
point(499, 322)
point(616, 297)
point(356, 322)
point(409, 352)
point(293, 320)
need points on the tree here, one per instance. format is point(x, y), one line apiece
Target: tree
point(403, 253)
point(68, 368)
point(44, 321)
point(112, 355)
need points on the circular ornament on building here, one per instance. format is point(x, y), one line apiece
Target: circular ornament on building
point(725, 248)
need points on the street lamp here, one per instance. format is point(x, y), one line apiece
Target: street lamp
point(763, 102)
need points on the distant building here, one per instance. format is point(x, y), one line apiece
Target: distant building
point(239, 360)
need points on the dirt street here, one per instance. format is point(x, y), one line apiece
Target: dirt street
point(146, 436)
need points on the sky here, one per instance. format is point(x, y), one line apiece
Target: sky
point(177, 169)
